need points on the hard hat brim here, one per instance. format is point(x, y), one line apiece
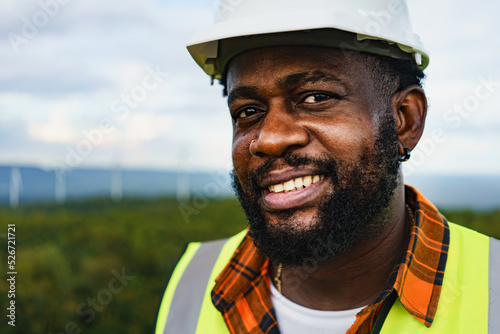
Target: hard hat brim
point(212, 54)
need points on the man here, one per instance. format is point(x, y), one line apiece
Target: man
point(327, 102)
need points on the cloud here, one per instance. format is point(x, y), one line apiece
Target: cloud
point(84, 40)
point(56, 82)
point(144, 127)
point(57, 130)
point(13, 129)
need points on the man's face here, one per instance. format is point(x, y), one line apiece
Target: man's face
point(314, 150)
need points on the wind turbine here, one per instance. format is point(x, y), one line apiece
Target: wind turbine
point(16, 184)
point(116, 184)
point(60, 185)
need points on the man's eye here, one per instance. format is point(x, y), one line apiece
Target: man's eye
point(315, 98)
point(246, 112)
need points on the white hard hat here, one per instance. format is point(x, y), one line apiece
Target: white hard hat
point(374, 26)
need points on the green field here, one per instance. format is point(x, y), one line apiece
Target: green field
point(100, 267)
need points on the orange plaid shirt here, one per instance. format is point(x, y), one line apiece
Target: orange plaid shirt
point(242, 290)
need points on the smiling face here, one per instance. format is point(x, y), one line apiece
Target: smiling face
point(314, 150)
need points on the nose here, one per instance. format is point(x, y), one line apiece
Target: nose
point(279, 131)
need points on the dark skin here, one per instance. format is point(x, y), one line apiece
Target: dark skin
point(318, 101)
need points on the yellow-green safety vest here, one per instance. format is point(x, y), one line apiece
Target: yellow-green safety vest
point(469, 302)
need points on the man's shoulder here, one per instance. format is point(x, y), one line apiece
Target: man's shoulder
point(471, 244)
point(204, 259)
point(199, 253)
point(236, 238)
point(467, 232)
point(217, 246)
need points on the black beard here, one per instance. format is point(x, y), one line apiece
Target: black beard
point(353, 213)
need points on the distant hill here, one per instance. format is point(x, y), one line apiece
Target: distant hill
point(37, 185)
point(40, 185)
point(459, 191)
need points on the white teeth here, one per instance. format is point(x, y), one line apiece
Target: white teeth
point(307, 181)
point(295, 184)
point(289, 185)
point(298, 183)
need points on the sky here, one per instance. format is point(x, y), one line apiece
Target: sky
point(87, 83)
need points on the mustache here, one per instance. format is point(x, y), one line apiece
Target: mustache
point(325, 165)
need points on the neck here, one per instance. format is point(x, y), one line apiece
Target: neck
point(354, 279)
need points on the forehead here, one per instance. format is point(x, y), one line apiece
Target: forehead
point(283, 61)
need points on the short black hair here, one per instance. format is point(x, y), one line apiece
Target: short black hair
point(390, 74)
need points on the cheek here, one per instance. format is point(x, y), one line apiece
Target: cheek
point(241, 156)
point(346, 141)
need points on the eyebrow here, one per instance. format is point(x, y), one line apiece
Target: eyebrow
point(242, 92)
point(297, 79)
point(289, 82)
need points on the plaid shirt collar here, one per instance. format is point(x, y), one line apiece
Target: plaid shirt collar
point(242, 292)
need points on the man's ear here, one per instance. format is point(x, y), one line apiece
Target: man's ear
point(410, 110)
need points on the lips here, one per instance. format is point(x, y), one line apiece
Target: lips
point(293, 189)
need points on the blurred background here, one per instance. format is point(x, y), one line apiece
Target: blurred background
point(115, 148)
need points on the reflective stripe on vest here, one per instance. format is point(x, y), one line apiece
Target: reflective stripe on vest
point(189, 289)
point(466, 304)
point(189, 292)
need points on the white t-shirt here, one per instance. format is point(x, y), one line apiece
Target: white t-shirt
point(296, 319)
